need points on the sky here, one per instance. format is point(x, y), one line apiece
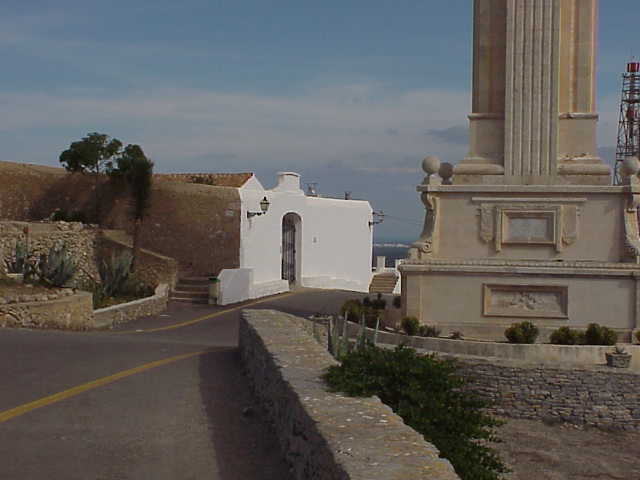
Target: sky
point(351, 94)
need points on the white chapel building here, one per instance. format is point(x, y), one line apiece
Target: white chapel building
point(299, 241)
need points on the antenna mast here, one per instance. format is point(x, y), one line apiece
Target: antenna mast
point(629, 123)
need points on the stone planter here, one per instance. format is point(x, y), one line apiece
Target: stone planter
point(618, 360)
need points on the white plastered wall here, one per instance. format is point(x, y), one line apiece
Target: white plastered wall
point(333, 249)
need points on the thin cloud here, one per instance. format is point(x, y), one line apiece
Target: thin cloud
point(186, 123)
point(456, 135)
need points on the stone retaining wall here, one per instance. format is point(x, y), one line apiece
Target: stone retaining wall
point(80, 240)
point(599, 396)
point(565, 383)
point(152, 268)
point(125, 312)
point(74, 312)
point(326, 435)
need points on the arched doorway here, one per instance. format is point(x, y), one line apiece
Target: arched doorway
point(291, 233)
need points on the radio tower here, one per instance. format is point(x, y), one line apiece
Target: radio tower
point(629, 124)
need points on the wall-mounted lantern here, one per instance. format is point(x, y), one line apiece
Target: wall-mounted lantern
point(378, 218)
point(264, 206)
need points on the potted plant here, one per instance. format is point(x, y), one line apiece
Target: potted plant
point(619, 358)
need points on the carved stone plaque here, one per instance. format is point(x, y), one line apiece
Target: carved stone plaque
point(528, 301)
point(529, 227)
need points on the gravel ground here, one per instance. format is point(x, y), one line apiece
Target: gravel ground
point(537, 451)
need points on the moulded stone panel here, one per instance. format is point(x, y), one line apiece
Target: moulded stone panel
point(538, 301)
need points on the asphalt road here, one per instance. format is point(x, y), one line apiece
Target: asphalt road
point(181, 419)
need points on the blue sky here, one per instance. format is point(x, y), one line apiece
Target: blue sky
point(351, 94)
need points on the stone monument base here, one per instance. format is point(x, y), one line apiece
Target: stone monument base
point(493, 255)
point(481, 298)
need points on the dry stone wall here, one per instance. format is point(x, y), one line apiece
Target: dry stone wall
point(597, 396)
point(80, 240)
point(72, 312)
point(326, 436)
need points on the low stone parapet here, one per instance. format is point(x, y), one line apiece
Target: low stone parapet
point(72, 312)
point(327, 436)
point(111, 316)
point(577, 356)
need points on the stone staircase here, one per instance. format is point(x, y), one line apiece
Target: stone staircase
point(191, 290)
point(383, 283)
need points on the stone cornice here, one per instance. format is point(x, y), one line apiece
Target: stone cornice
point(510, 267)
point(508, 189)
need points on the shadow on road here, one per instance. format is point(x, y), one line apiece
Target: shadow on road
point(245, 446)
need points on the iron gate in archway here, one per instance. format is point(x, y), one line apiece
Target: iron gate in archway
point(289, 248)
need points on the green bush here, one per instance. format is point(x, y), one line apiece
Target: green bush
point(523, 332)
point(57, 267)
point(598, 335)
point(428, 331)
point(60, 215)
point(567, 336)
point(379, 303)
point(429, 396)
point(397, 301)
point(638, 336)
point(410, 325)
point(352, 310)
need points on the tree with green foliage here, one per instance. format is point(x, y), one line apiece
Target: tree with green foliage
point(136, 170)
point(92, 154)
point(430, 396)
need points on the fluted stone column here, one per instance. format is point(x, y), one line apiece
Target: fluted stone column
point(533, 119)
point(577, 145)
point(486, 136)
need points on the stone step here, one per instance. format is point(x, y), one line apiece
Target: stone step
point(194, 281)
point(188, 300)
point(182, 287)
point(190, 293)
point(383, 283)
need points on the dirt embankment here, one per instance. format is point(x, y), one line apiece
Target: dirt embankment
point(536, 451)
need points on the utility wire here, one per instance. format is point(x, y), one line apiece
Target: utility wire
point(403, 220)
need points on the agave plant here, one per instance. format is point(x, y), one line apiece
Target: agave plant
point(57, 267)
point(618, 350)
point(17, 265)
point(115, 273)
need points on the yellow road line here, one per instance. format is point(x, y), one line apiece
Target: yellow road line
point(72, 392)
point(207, 317)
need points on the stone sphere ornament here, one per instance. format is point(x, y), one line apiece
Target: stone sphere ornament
point(431, 165)
point(446, 172)
point(630, 166)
